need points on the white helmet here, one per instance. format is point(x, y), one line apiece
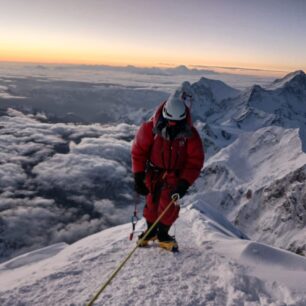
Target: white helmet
point(175, 108)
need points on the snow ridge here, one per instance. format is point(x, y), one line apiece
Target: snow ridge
point(213, 268)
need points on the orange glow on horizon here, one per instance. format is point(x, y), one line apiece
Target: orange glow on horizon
point(60, 49)
point(43, 54)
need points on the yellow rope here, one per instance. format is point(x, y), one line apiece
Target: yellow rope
point(112, 276)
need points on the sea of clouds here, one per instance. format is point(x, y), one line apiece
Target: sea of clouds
point(61, 182)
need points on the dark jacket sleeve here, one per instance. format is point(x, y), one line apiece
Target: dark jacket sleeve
point(195, 158)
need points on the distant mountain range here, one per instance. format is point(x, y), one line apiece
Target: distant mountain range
point(181, 69)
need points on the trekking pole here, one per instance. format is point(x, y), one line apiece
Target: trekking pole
point(113, 275)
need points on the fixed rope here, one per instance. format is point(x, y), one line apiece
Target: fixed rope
point(113, 275)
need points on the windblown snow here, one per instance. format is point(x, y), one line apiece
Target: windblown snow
point(241, 230)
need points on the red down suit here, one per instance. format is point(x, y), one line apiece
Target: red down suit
point(165, 162)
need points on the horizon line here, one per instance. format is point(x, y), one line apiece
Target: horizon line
point(159, 65)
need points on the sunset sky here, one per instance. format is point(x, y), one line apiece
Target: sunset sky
point(266, 34)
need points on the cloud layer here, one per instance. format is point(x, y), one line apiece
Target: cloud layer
point(58, 181)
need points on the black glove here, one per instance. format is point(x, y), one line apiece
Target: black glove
point(180, 189)
point(139, 184)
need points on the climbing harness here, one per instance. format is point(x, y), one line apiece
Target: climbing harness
point(113, 275)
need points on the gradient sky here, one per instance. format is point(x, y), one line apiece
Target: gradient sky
point(268, 34)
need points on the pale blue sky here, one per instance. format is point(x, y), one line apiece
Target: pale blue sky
point(262, 33)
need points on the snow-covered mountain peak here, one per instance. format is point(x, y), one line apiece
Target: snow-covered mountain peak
point(218, 89)
point(256, 107)
point(181, 69)
point(294, 78)
point(207, 97)
point(297, 86)
point(255, 92)
point(281, 103)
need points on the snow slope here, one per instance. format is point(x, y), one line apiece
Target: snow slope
point(214, 267)
point(256, 145)
point(257, 158)
point(270, 165)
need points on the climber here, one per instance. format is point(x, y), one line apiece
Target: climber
point(167, 157)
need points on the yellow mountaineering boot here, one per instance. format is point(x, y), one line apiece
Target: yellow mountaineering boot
point(170, 245)
point(166, 241)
